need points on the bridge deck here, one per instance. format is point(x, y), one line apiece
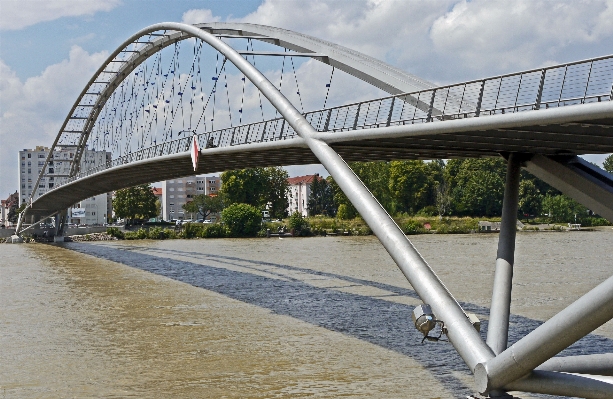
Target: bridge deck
point(571, 130)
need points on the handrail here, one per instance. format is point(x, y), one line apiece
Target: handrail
point(473, 99)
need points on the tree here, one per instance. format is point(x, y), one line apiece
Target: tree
point(409, 185)
point(258, 187)
point(477, 185)
point(562, 209)
point(530, 198)
point(14, 211)
point(204, 205)
point(321, 200)
point(344, 207)
point(276, 191)
point(242, 220)
point(136, 202)
point(443, 199)
point(608, 164)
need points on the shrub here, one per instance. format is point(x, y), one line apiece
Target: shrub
point(139, 234)
point(157, 233)
point(213, 231)
point(191, 230)
point(345, 212)
point(299, 224)
point(115, 232)
point(413, 227)
point(429, 210)
point(242, 220)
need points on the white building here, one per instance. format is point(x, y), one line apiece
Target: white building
point(177, 192)
point(299, 193)
point(90, 211)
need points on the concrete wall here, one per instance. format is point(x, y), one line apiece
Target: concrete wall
point(6, 232)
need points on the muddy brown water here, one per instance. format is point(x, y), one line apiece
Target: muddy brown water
point(263, 318)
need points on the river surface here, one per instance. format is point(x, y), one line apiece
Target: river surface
point(265, 318)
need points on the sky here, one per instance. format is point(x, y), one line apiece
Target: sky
point(49, 49)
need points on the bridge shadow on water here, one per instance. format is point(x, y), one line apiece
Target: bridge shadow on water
point(374, 320)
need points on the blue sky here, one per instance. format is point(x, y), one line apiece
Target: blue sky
point(49, 49)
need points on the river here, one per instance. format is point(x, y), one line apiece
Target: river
point(262, 318)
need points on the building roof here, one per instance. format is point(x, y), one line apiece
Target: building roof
point(308, 179)
point(157, 190)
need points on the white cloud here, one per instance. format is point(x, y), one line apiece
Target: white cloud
point(490, 36)
point(18, 14)
point(32, 112)
point(199, 16)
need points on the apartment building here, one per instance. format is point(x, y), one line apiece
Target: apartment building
point(31, 162)
point(177, 192)
point(299, 193)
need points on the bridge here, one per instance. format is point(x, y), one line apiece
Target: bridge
point(157, 95)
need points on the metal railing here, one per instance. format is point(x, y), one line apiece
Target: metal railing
point(574, 83)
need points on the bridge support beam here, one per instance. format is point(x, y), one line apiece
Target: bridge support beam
point(577, 178)
point(518, 361)
point(60, 226)
point(430, 289)
point(498, 326)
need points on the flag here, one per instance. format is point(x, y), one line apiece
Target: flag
point(195, 152)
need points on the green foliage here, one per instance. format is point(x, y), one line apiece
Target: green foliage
point(608, 164)
point(215, 230)
point(257, 187)
point(321, 199)
point(562, 209)
point(530, 198)
point(429, 210)
point(341, 202)
point(204, 205)
point(410, 186)
point(242, 220)
point(115, 232)
point(299, 224)
point(190, 230)
point(413, 227)
point(14, 211)
point(346, 211)
point(139, 234)
point(135, 202)
point(477, 185)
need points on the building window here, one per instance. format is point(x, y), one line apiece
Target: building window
point(29, 170)
point(41, 155)
point(29, 155)
point(213, 189)
point(171, 196)
point(171, 204)
point(171, 189)
point(50, 185)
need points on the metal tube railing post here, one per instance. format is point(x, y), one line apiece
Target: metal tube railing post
point(478, 110)
point(389, 115)
point(327, 123)
point(498, 326)
point(357, 114)
point(539, 93)
point(571, 324)
point(587, 83)
point(431, 106)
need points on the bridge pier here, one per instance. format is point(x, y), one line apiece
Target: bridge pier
point(500, 309)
